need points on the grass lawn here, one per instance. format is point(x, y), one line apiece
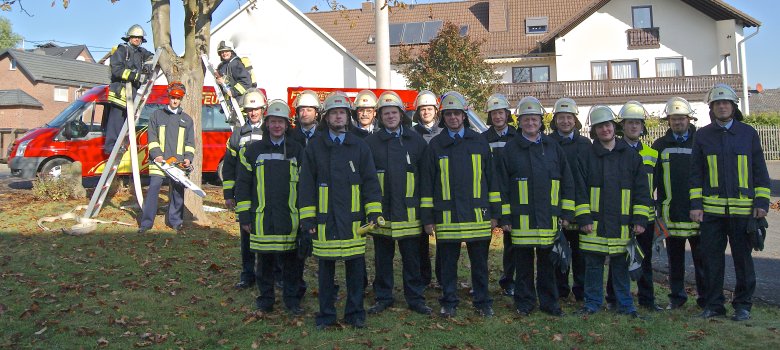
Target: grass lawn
point(118, 289)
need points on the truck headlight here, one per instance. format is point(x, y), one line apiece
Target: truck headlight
point(22, 147)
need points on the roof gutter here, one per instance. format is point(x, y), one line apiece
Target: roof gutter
point(743, 69)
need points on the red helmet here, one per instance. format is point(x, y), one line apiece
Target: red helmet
point(176, 89)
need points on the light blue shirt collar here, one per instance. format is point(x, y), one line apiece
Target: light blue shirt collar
point(397, 132)
point(684, 136)
point(459, 132)
point(277, 143)
point(569, 136)
point(727, 125)
point(333, 136)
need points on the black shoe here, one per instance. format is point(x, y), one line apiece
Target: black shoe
point(143, 229)
point(322, 327)
point(295, 311)
point(707, 313)
point(523, 312)
point(741, 315)
point(509, 292)
point(612, 306)
point(179, 229)
point(634, 314)
point(486, 312)
point(652, 307)
point(358, 323)
point(264, 308)
point(674, 306)
point(421, 309)
point(584, 311)
point(447, 312)
point(554, 312)
point(379, 307)
point(243, 285)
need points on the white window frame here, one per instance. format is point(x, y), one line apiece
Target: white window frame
point(660, 59)
point(12, 64)
point(540, 25)
point(609, 64)
point(531, 75)
point(633, 13)
point(59, 95)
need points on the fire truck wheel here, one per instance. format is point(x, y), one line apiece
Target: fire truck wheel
point(53, 167)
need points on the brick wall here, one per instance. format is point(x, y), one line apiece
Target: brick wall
point(26, 117)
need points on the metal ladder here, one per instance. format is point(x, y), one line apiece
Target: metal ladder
point(232, 111)
point(112, 164)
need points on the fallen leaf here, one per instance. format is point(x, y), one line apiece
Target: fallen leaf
point(407, 336)
point(102, 342)
point(41, 331)
point(640, 331)
point(557, 337)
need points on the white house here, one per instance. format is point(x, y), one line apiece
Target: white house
point(288, 49)
point(595, 51)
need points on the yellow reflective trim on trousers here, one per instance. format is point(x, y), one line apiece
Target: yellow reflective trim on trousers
point(161, 137)
point(126, 74)
point(695, 193)
point(581, 209)
point(712, 169)
point(180, 141)
point(372, 207)
point(444, 174)
point(506, 209)
point(227, 184)
point(323, 200)
point(242, 159)
point(308, 212)
point(625, 202)
point(260, 178)
point(381, 176)
point(595, 196)
point(522, 190)
point(762, 192)
point(476, 172)
point(446, 217)
point(355, 205)
point(426, 202)
point(555, 187)
point(567, 204)
point(494, 197)
point(742, 170)
point(409, 184)
point(243, 206)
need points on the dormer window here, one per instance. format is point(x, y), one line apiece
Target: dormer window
point(536, 25)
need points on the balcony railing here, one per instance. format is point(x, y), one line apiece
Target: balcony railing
point(643, 38)
point(646, 90)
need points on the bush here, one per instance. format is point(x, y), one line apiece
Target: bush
point(763, 119)
point(52, 189)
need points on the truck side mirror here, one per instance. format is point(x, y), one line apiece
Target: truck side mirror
point(75, 129)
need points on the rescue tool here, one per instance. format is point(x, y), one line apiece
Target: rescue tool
point(232, 110)
point(175, 170)
point(365, 229)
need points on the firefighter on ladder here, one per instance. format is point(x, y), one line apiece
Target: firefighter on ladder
point(127, 65)
point(566, 131)
point(170, 134)
point(266, 192)
point(339, 189)
point(729, 185)
point(460, 203)
point(232, 72)
point(499, 133)
point(672, 185)
point(398, 152)
point(254, 106)
point(619, 201)
point(632, 123)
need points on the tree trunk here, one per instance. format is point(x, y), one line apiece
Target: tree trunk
point(189, 70)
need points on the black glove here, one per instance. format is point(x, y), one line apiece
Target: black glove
point(303, 245)
point(373, 217)
point(756, 233)
point(134, 76)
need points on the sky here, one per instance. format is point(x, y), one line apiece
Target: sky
point(100, 24)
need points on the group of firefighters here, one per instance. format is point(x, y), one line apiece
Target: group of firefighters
point(346, 168)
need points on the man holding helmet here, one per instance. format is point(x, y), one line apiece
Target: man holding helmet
point(566, 131)
point(619, 204)
point(729, 185)
point(499, 133)
point(339, 190)
point(254, 106)
point(672, 185)
point(398, 153)
point(267, 194)
point(460, 202)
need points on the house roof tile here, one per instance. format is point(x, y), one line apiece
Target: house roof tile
point(57, 70)
point(17, 97)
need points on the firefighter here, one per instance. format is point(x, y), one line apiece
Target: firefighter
point(307, 115)
point(671, 182)
point(499, 133)
point(729, 184)
point(232, 72)
point(632, 123)
point(619, 206)
point(364, 114)
point(566, 128)
point(538, 189)
point(460, 202)
point(426, 106)
point(266, 192)
point(254, 106)
point(170, 134)
point(339, 189)
point(398, 153)
point(127, 65)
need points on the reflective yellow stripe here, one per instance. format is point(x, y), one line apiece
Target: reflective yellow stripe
point(525, 236)
point(227, 184)
point(650, 213)
point(494, 197)
point(399, 229)
point(478, 215)
point(372, 207)
point(308, 212)
point(381, 175)
point(240, 89)
point(180, 141)
point(411, 214)
point(153, 144)
point(581, 209)
point(463, 231)
point(126, 74)
point(446, 217)
point(426, 202)
point(323, 200)
point(242, 160)
point(625, 202)
point(522, 188)
point(189, 149)
point(444, 173)
point(712, 168)
point(595, 195)
point(723, 206)
point(567, 204)
point(409, 184)
point(292, 200)
point(555, 186)
point(230, 149)
point(742, 170)
point(260, 180)
point(355, 205)
point(611, 246)
point(695, 193)
point(117, 100)
point(506, 209)
point(243, 206)
point(161, 137)
point(338, 249)
point(762, 192)
point(476, 170)
point(641, 210)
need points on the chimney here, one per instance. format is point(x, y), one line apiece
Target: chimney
point(497, 16)
point(367, 6)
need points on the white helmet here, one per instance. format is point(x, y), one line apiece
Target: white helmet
point(678, 106)
point(307, 98)
point(722, 92)
point(426, 98)
point(254, 99)
point(633, 110)
point(530, 105)
point(365, 99)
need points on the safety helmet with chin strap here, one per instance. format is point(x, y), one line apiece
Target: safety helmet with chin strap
point(565, 105)
point(497, 102)
point(135, 30)
point(453, 100)
point(600, 114)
